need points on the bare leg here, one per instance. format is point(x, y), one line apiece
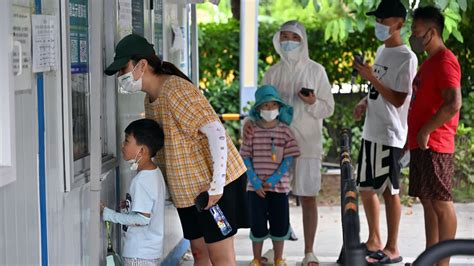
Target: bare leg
point(393, 212)
point(371, 204)
point(257, 250)
point(222, 253)
point(431, 223)
point(200, 254)
point(278, 248)
point(310, 221)
point(447, 223)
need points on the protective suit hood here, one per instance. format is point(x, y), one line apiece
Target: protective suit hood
point(300, 54)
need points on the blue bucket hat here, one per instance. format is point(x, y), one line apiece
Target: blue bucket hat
point(268, 93)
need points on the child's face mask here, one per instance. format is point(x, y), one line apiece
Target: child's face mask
point(127, 84)
point(269, 115)
point(134, 162)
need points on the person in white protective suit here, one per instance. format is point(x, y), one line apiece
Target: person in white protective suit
point(293, 72)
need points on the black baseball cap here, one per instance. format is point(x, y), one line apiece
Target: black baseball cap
point(131, 45)
point(389, 9)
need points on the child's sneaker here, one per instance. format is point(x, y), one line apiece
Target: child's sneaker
point(256, 262)
point(280, 262)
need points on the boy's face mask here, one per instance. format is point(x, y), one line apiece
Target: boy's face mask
point(134, 162)
point(127, 84)
point(382, 32)
point(269, 115)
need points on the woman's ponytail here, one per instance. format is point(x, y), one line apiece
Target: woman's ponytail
point(161, 67)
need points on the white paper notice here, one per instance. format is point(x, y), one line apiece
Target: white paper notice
point(125, 18)
point(21, 22)
point(44, 43)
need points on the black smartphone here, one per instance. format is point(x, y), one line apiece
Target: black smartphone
point(201, 201)
point(306, 92)
point(359, 59)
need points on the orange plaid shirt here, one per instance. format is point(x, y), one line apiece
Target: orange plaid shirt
point(181, 109)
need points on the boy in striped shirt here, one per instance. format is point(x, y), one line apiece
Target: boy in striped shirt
point(268, 154)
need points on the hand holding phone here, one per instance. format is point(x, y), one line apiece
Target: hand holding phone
point(306, 92)
point(201, 201)
point(359, 59)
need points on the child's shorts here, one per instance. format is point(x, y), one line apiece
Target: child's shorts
point(274, 209)
point(234, 206)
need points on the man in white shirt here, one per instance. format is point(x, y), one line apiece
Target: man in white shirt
point(385, 128)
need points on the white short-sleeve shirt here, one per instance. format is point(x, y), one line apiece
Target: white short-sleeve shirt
point(395, 68)
point(148, 194)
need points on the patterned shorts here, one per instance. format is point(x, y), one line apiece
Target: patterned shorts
point(431, 175)
point(378, 168)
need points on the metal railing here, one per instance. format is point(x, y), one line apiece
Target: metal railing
point(445, 249)
point(352, 252)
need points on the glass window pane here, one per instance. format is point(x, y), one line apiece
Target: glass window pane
point(79, 45)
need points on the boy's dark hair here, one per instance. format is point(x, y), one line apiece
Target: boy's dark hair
point(147, 132)
point(430, 14)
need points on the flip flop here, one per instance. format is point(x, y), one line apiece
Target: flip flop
point(383, 259)
point(367, 251)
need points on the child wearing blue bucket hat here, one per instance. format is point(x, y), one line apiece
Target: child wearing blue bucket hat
point(268, 154)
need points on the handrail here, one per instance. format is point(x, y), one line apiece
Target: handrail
point(445, 249)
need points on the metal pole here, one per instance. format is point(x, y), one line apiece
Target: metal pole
point(96, 77)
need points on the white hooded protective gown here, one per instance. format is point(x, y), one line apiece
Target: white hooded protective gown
point(295, 71)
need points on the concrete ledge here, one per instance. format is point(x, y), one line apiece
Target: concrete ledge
point(174, 257)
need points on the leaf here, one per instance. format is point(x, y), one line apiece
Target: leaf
point(303, 3)
point(328, 31)
point(317, 6)
point(342, 29)
point(445, 35)
point(348, 24)
point(442, 4)
point(463, 4)
point(360, 24)
point(335, 30)
point(358, 2)
point(458, 35)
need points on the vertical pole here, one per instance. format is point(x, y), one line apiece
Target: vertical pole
point(248, 51)
point(41, 159)
point(96, 77)
point(194, 47)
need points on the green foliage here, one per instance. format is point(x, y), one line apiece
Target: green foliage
point(464, 155)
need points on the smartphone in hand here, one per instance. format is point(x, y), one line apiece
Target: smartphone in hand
point(201, 201)
point(306, 92)
point(359, 59)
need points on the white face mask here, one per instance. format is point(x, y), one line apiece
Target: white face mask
point(289, 46)
point(269, 115)
point(382, 32)
point(127, 84)
point(134, 162)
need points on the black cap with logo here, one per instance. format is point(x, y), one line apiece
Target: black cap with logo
point(131, 45)
point(389, 9)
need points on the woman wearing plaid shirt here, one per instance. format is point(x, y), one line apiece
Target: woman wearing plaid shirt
point(197, 156)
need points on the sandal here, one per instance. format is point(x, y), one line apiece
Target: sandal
point(255, 262)
point(310, 257)
point(366, 249)
point(280, 262)
point(383, 258)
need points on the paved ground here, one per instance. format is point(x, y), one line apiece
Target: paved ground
point(329, 235)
